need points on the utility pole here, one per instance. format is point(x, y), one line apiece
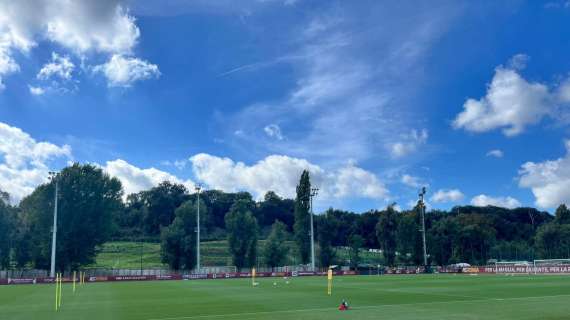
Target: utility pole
point(54, 177)
point(198, 188)
point(314, 192)
point(423, 212)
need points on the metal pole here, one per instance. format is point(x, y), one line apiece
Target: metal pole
point(314, 192)
point(54, 233)
point(423, 210)
point(198, 187)
point(312, 239)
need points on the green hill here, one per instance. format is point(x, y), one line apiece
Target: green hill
point(127, 255)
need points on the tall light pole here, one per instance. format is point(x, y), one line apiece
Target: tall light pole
point(314, 192)
point(53, 177)
point(198, 188)
point(423, 213)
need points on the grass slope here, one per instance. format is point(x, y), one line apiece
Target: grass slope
point(127, 255)
point(371, 297)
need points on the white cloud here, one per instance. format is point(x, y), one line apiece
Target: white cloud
point(511, 103)
point(25, 161)
point(411, 181)
point(36, 91)
point(495, 153)
point(409, 144)
point(519, 61)
point(81, 26)
point(548, 180)
point(505, 202)
point(135, 179)
point(281, 174)
point(447, 195)
point(60, 66)
point(273, 131)
point(123, 71)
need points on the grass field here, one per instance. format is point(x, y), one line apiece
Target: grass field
point(127, 255)
point(371, 297)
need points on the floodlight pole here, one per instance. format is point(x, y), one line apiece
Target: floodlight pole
point(198, 188)
point(423, 212)
point(314, 192)
point(53, 176)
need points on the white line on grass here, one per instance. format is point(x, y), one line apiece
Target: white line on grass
point(353, 308)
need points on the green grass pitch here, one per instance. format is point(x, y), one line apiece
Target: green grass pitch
point(371, 297)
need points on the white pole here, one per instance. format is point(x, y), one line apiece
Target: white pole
point(54, 233)
point(314, 192)
point(312, 239)
point(198, 229)
point(423, 210)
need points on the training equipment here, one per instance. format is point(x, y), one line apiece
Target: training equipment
point(329, 280)
point(253, 277)
point(510, 268)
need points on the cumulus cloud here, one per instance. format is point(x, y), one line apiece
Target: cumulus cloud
point(447, 195)
point(25, 161)
point(273, 131)
point(548, 180)
point(281, 174)
point(36, 91)
point(80, 26)
point(513, 103)
point(135, 179)
point(122, 71)
point(505, 202)
point(411, 181)
point(60, 66)
point(409, 143)
point(495, 153)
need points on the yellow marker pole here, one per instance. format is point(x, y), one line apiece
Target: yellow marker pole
point(74, 274)
point(329, 278)
point(56, 282)
point(253, 277)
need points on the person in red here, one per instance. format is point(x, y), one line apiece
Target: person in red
point(343, 305)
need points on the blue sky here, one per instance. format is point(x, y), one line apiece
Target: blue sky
point(375, 98)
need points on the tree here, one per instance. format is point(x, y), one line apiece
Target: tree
point(161, 202)
point(302, 218)
point(178, 241)
point(562, 215)
point(274, 208)
point(88, 199)
point(409, 240)
point(386, 233)
point(242, 230)
point(356, 242)
point(443, 238)
point(553, 241)
point(326, 231)
point(6, 232)
point(475, 238)
point(275, 251)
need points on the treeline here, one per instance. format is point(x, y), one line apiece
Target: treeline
point(92, 211)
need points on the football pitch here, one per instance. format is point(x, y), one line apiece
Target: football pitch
point(370, 297)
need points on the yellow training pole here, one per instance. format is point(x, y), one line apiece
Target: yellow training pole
point(253, 277)
point(329, 278)
point(56, 282)
point(74, 281)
